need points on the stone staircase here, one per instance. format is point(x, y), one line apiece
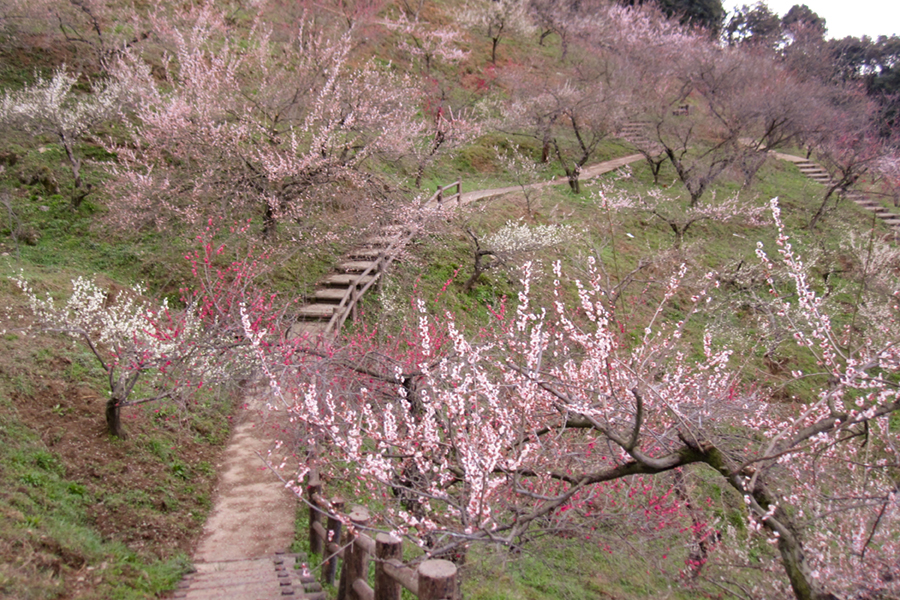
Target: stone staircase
point(355, 272)
point(820, 175)
point(279, 577)
point(635, 132)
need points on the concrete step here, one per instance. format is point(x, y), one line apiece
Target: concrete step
point(355, 266)
point(346, 279)
point(330, 295)
point(313, 312)
point(365, 253)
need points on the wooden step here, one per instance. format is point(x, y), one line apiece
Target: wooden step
point(382, 241)
point(272, 578)
point(346, 279)
point(355, 266)
point(310, 328)
point(316, 311)
point(365, 253)
point(331, 295)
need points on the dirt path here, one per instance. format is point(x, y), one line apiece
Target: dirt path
point(253, 514)
point(587, 173)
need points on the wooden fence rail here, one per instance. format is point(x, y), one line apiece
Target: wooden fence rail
point(439, 194)
point(432, 580)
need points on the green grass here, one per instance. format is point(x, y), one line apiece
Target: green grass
point(46, 516)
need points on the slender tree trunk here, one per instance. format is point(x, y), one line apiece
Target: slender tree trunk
point(572, 175)
point(655, 165)
point(114, 417)
point(419, 173)
point(75, 165)
point(821, 210)
point(269, 221)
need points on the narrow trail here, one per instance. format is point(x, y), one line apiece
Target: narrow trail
point(241, 554)
point(587, 173)
point(252, 516)
point(818, 174)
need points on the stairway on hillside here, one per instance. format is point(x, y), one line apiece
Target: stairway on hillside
point(820, 175)
point(279, 577)
point(355, 270)
point(635, 132)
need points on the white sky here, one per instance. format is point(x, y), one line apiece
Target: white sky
point(842, 17)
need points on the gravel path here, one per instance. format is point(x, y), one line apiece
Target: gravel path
point(253, 514)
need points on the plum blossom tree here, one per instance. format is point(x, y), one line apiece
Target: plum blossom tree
point(52, 107)
point(569, 114)
point(513, 241)
point(160, 352)
point(530, 423)
point(850, 147)
point(443, 131)
point(254, 130)
point(93, 33)
point(496, 19)
point(677, 217)
point(427, 43)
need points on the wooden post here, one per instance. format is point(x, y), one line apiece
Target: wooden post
point(437, 580)
point(386, 548)
point(329, 567)
point(313, 489)
point(356, 561)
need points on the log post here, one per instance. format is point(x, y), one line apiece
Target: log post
point(314, 489)
point(329, 567)
point(386, 548)
point(437, 580)
point(355, 558)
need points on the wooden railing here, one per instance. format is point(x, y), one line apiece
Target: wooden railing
point(439, 196)
point(432, 580)
point(354, 294)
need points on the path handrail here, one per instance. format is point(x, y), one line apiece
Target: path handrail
point(354, 293)
point(432, 580)
point(438, 196)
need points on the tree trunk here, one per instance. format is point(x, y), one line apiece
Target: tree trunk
point(113, 418)
point(419, 173)
point(269, 222)
point(572, 176)
point(793, 556)
point(655, 165)
point(75, 165)
point(821, 210)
